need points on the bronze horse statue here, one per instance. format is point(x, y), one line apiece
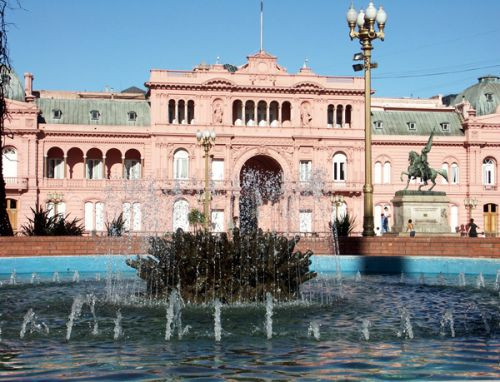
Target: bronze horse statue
point(418, 168)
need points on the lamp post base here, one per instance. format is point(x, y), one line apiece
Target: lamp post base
point(368, 226)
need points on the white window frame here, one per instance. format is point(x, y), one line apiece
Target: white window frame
point(181, 164)
point(55, 168)
point(180, 213)
point(412, 126)
point(454, 174)
point(93, 169)
point(132, 169)
point(305, 170)
point(377, 173)
point(218, 169)
point(217, 220)
point(339, 170)
point(305, 221)
point(489, 172)
point(10, 162)
point(445, 126)
point(445, 166)
point(95, 115)
point(386, 173)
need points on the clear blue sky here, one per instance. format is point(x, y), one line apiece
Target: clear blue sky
point(90, 44)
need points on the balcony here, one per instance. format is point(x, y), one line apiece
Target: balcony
point(16, 183)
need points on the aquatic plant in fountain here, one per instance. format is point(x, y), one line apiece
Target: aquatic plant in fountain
point(203, 266)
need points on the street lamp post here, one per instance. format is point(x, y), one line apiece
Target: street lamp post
point(365, 21)
point(470, 204)
point(206, 139)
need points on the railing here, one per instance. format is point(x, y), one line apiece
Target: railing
point(16, 183)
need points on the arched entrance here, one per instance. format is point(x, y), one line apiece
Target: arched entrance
point(12, 209)
point(490, 212)
point(261, 180)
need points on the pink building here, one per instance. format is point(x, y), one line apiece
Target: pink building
point(94, 155)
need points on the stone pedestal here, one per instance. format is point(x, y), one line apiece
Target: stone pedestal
point(427, 209)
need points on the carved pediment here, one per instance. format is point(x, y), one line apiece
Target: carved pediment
point(219, 82)
point(308, 85)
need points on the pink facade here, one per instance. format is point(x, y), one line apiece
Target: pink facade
point(93, 155)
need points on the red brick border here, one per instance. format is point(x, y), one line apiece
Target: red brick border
point(369, 246)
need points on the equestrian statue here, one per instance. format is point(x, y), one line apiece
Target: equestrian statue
point(419, 167)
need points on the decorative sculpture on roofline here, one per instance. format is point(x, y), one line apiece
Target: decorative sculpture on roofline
point(419, 167)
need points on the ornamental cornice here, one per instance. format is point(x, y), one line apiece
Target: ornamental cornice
point(223, 86)
point(97, 134)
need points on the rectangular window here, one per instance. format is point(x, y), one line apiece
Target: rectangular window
point(132, 169)
point(218, 220)
point(218, 169)
point(89, 216)
point(126, 216)
point(454, 174)
point(99, 216)
point(181, 168)
point(412, 126)
point(341, 171)
point(445, 126)
point(55, 169)
point(378, 125)
point(305, 223)
point(137, 218)
point(305, 170)
point(94, 169)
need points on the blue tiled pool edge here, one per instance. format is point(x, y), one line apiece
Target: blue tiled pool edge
point(406, 264)
point(320, 263)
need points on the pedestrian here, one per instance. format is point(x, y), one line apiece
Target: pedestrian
point(472, 228)
point(410, 228)
point(463, 230)
point(386, 224)
point(382, 217)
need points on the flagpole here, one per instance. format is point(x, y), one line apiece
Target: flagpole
point(261, 22)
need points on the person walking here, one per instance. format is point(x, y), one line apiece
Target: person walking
point(410, 228)
point(472, 228)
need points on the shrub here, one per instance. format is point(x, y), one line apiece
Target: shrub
point(345, 225)
point(116, 227)
point(42, 224)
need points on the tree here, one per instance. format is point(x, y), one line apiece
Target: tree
point(196, 218)
point(5, 227)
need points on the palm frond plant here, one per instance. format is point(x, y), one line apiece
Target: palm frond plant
point(345, 224)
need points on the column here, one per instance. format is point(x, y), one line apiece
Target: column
point(185, 113)
point(334, 121)
point(268, 114)
point(142, 168)
point(103, 175)
point(255, 117)
point(124, 170)
point(343, 116)
point(279, 114)
point(84, 167)
point(45, 166)
point(65, 159)
point(176, 117)
point(243, 116)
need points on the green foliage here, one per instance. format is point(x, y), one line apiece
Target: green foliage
point(345, 225)
point(196, 218)
point(116, 227)
point(208, 266)
point(42, 224)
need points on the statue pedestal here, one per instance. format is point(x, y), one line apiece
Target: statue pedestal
point(427, 209)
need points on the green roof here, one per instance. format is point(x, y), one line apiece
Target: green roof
point(112, 112)
point(396, 123)
point(483, 96)
point(13, 89)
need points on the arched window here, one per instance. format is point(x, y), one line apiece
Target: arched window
point(329, 115)
point(339, 211)
point(454, 174)
point(453, 218)
point(237, 113)
point(181, 164)
point(377, 176)
point(56, 209)
point(387, 173)
point(180, 215)
point(444, 167)
point(339, 167)
point(9, 155)
point(488, 172)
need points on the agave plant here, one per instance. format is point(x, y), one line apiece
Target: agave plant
point(116, 227)
point(345, 225)
point(42, 224)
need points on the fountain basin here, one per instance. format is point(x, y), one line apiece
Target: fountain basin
point(423, 325)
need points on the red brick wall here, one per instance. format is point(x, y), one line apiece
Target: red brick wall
point(387, 246)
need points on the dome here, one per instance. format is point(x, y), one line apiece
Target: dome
point(12, 85)
point(483, 96)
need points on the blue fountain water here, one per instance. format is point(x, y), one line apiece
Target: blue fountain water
point(355, 325)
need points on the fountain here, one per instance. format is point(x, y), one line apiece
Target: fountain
point(187, 311)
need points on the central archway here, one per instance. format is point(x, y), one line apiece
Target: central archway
point(261, 180)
